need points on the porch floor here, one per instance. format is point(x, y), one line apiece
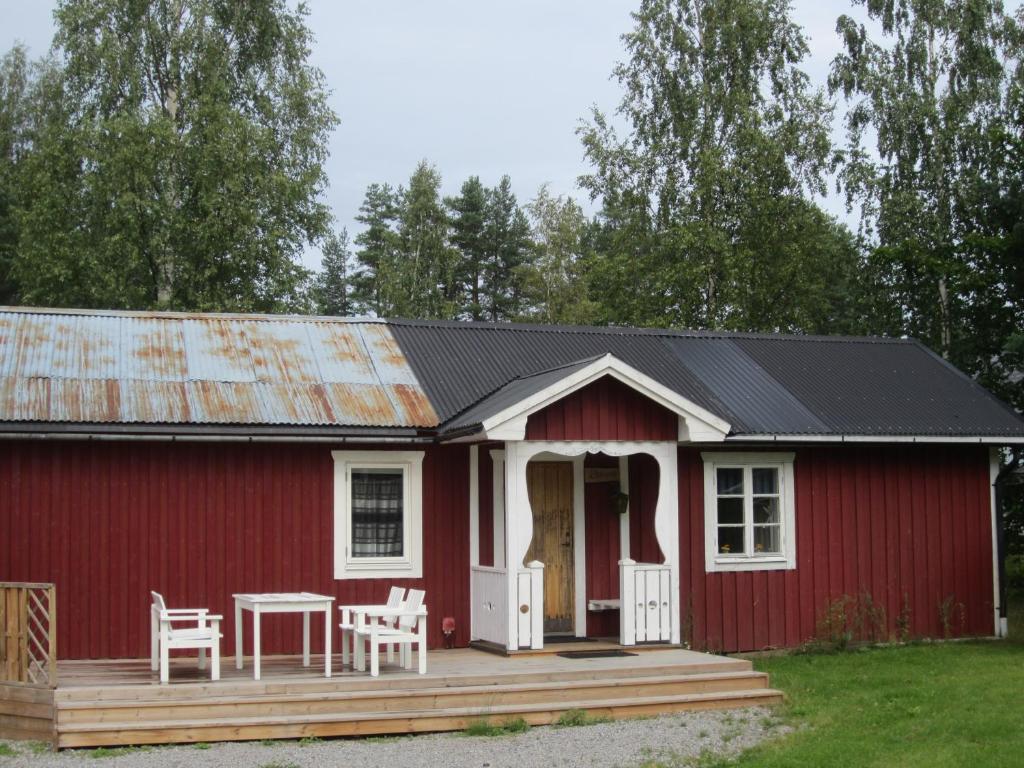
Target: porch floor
point(121, 701)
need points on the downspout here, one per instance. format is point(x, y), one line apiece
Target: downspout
point(998, 519)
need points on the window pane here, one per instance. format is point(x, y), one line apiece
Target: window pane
point(766, 480)
point(766, 509)
point(767, 539)
point(730, 540)
point(730, 481)
point(730, 511)
point(377, 498)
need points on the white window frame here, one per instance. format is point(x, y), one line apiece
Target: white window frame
point(410, 564)
point(749, 561)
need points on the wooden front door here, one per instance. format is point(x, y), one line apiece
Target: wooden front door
point(550, 489)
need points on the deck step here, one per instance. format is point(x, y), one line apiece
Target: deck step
point(368, 723)
point(400, 681)
point(390, 700)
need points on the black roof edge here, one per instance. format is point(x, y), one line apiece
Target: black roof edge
point(622, 330)
point(970, 380)
point(209, 430)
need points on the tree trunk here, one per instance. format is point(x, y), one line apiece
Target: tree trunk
point(945, 325)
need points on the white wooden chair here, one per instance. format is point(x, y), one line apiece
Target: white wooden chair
point(164, 636)
point(348, 627)
point(410, 629)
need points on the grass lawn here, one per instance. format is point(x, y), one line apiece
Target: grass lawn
point(947, 704)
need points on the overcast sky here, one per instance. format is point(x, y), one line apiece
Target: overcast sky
point(475, 87)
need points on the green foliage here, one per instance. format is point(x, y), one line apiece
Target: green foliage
point(306, 741)
point(903, 620)
point(469, 220)
point(574, 717)
point(934, 160)
point(421, 257)
point(1015, 575)
point(7, 750)
point(202, 745)
point(899, 706)
point(555, 278)
point(484, 727)
point(103, 753)
point(705, 218)
point(176, 158)
point(332, 288)
point(846, 619)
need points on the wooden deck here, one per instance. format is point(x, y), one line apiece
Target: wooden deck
point(121, 702)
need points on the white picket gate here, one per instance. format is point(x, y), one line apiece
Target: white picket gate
point(645, 595)
point(489, 617)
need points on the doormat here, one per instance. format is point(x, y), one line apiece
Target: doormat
point(594, 654)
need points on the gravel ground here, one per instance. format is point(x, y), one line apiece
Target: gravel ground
point(671, 739)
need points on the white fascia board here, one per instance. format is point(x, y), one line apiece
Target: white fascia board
point(510, 423)
point(978, 439)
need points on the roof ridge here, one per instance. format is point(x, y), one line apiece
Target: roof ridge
point(621, 330)
point(177, 315)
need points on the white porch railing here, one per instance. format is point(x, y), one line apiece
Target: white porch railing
point(530, 610)
point(489, 614)
point(645, 593)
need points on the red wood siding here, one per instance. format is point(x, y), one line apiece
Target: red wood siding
point(643, 497)
point(606, 409)
point(898, 523)
point(602, 548)
point(107, 522)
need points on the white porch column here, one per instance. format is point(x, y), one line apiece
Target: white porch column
point(666, 524)
point(518, 532)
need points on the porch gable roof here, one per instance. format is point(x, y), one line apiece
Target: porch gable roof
point(502, 414)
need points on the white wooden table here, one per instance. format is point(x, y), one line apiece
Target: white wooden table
point(282, 602)
point(374, 612)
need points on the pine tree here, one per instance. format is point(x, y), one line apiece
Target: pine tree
point(507, 237)
point(468, 222)
point(377, 281)
point(332, 289)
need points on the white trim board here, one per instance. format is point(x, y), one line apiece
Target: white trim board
point(786, 560)
point(967, 439)
point(696, 424)
point(410, 564)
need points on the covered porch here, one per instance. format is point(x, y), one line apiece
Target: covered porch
point(550, 479)
point(98, 703)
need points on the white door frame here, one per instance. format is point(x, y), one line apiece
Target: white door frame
point(518, 516)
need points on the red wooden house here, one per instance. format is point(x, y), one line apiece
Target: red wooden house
point(716, 490)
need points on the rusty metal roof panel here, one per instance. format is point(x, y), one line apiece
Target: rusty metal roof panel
point(342, 356)
point(153, 349)
point(216, 349)
point(388, 360)
point(168, 368)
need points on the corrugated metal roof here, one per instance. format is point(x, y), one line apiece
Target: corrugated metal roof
point(458, 364)
point(515, 391)
point(760, 384)
point(758, 401)
point(84, 366)
point(167, 368)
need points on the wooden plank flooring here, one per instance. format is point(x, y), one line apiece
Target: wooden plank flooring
point(121, 702)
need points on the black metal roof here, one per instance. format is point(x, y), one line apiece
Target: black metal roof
point(761, 384)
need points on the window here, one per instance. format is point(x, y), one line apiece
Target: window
point(749, 511)
point(378, 514)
